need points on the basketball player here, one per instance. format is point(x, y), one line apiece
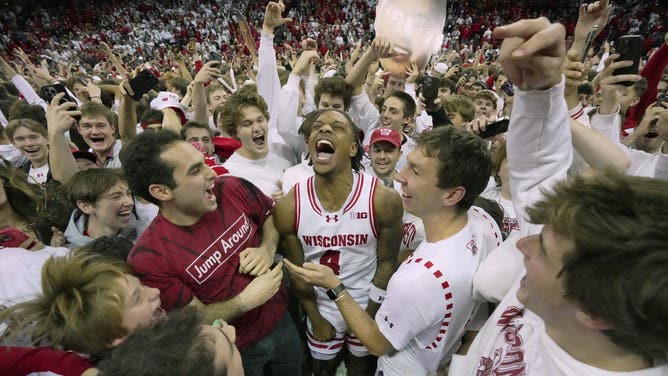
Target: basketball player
point(349, 222)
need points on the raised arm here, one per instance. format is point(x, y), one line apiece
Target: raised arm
point(268, 83)
point(208, 72)
point(127, 113)
point(286, 119)
point(539, 151)
point(59, 119)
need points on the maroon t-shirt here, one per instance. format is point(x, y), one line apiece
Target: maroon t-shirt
point(21, 361)
point(202, 260)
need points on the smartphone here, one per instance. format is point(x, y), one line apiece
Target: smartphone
point(507, 88)
point(12, 237)
point(495, 128)
point(629, 48)
point(143, 83)
point(48, 92)
point(662, 101)
point(588, 42)
point(430, 90)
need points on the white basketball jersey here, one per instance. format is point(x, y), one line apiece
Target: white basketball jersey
point(344, 240)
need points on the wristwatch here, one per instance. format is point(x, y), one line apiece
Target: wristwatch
point(334, 293)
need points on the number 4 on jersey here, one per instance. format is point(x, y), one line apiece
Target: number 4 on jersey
point(331, 258)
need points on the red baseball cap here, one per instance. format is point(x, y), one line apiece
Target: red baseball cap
point(386, 134)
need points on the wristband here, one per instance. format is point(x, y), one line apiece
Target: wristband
point(376, 295)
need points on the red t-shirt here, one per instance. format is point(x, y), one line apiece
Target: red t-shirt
point(202, 260)
point(21, 361)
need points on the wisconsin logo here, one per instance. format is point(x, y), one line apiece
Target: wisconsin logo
point(203, 267)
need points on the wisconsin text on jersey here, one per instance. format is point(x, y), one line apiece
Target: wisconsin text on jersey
point(345, 240)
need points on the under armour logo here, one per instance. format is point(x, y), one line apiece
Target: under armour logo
point(334, 218)
point(388, 320)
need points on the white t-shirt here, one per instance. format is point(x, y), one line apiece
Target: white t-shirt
point(265, 172)
point(21, 272)
point(296, 174)
point(514, 339)
point(38, 175)
point(429, 301)
point(510, 224)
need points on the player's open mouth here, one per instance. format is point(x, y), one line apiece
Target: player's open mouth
point(324, 150)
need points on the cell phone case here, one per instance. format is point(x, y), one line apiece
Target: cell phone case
point(143, 83)
point(629, 47)
point(495, 128)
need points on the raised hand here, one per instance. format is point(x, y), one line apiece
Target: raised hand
point(273, 17)
point(532, 53)
point(60, 117)
point(208, 72)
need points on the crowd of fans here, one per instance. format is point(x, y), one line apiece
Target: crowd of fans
point(164, 166)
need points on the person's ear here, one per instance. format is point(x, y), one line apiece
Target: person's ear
point(590, 321)
point(160, 192)
point(353, 149)
point(86, 207)
point(634, 102)
point(452, 196)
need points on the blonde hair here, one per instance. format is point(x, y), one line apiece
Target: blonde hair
point(81, 305)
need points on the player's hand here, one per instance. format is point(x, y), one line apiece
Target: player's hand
point(262, 288)
point(314, 274)
point(532, 53)
point(322, 330)
point(255, 261)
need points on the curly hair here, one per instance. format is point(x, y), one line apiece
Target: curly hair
point(232, 110)
point(334, 86)
point(143, 165)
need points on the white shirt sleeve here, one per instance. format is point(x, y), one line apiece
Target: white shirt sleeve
point(661, 169)
point(23, 86)
point(286, 118)
point(539, 147)
point(607, 125)
point(365, 113)
point(403, 314)
point(268, 84)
